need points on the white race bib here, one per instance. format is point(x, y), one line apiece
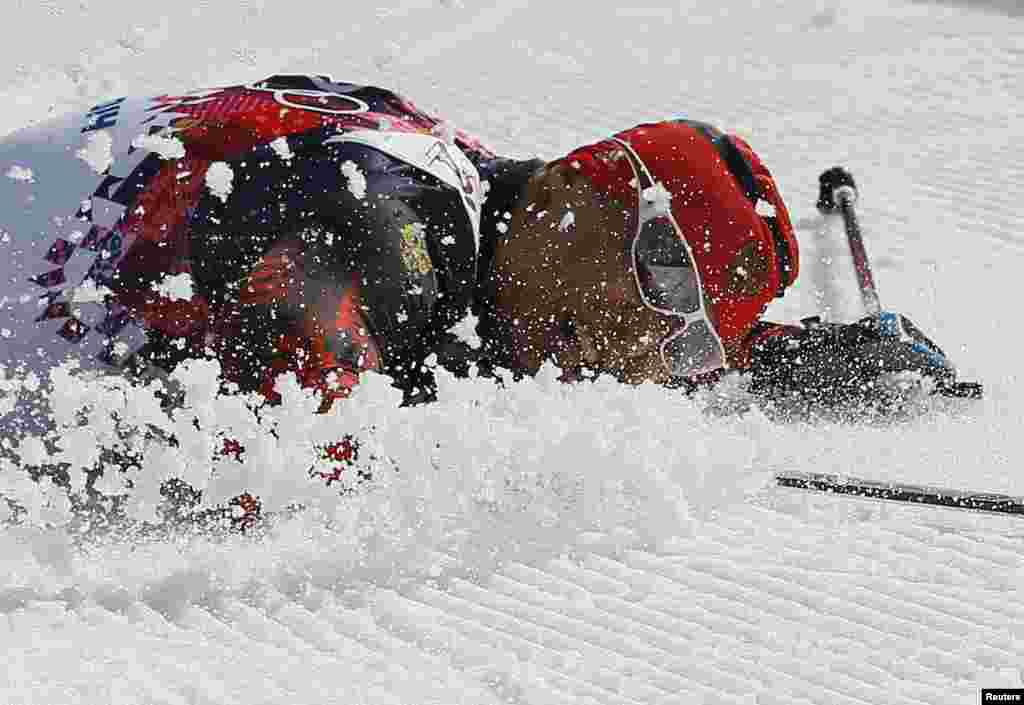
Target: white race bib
point(432, 155)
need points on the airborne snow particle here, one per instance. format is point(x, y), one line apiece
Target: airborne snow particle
point(176, 288)
point(166, 147)
point(97, 151)
point(33, 452)
point(281, 148)
point(219, 179)
point(568, 220)
point(31, 382)
point(659, 197)
point(465, 330)
point(356, 179)
point(89, 292)
point(21, 173)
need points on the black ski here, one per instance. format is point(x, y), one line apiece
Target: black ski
point(899, 492)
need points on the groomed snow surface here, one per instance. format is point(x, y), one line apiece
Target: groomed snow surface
point(544, 543)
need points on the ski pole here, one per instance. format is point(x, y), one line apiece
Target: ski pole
point(839, 193)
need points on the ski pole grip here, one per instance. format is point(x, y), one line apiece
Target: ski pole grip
point(835, 185)
point(844, 196)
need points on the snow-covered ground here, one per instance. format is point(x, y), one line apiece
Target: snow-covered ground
point(598, 544)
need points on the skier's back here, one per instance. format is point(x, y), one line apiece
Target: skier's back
point(292, 224)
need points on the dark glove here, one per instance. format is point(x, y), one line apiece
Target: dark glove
point(831, 363)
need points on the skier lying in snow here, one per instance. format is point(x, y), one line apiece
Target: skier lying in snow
point(304, 226)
